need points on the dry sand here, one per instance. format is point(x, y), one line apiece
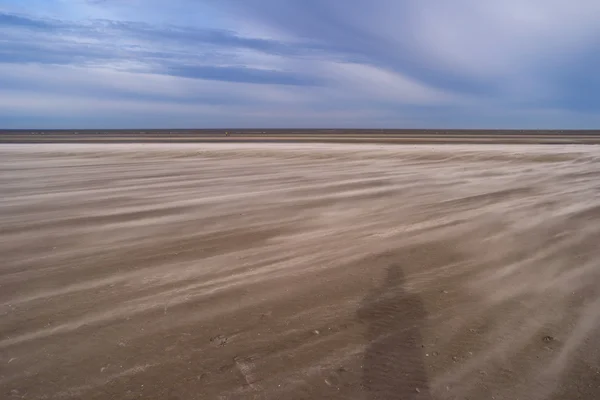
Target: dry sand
point(299, 271)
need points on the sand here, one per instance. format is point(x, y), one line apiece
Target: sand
point(299, 271)
point(388, 136)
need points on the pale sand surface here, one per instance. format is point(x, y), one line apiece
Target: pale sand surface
point(299, 271)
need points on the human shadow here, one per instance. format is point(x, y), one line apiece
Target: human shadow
point(393, 365)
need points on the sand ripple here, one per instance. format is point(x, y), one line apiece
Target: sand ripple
point(283, 271)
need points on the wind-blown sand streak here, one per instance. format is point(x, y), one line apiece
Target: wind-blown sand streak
point(299, 271)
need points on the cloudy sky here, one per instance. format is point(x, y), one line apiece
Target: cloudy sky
point(300, 63)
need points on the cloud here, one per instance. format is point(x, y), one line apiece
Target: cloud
point(8, 20)
point(467, 45)
point(181, 51)
point(270, 62)
point(139, 35)
point(239, 74)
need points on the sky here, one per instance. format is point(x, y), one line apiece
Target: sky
point(300, 63)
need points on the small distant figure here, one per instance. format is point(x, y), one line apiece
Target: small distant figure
point(226, 133)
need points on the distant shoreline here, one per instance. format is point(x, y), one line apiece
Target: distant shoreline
point(315, 131)
point(302, 136)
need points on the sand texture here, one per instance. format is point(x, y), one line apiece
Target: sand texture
point(299, 271)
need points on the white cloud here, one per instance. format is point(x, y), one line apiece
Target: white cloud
point(377, 83)
point(39, 103)
point(384, 55)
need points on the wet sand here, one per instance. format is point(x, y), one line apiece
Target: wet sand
point(341, 138)
point(299, 271)
point(350, 136)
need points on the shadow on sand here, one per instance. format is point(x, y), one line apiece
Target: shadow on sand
point(393, 366)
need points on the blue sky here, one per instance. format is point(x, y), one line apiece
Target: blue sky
point(300, 63)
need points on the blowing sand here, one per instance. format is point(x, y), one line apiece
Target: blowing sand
point(299, 271)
